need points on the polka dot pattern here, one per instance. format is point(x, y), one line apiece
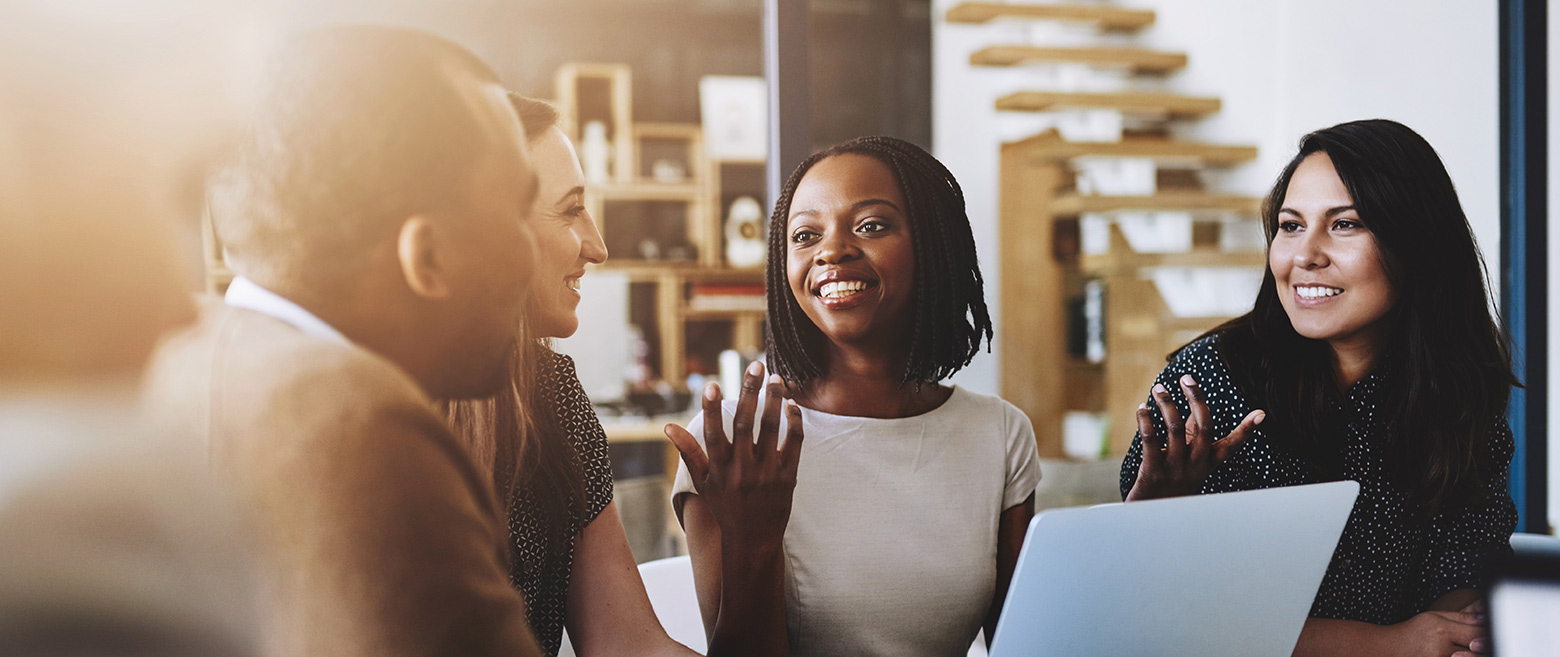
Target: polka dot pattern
point(1389, 564)
point(541, 576)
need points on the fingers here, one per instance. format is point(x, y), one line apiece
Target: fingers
point(714, 425)
point(747, 403)
point(1175, 428)
point(1153, 456)
point(792, 451)
point(1229, 445)
point(692, 455)
point(1199, 419)
point(769, 422)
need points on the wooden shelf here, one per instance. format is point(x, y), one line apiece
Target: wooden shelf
point(649, 191)
point(689, 313)
point(640, 430)
point(1148, 102)
point(1075, 204)
point(1121, 262)
point(1049, 146)
point(1136, 59)
point(1110, 18)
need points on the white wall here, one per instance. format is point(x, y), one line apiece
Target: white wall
point(1282, 68)
point(1554, 270)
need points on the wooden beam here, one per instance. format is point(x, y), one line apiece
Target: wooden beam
point(1033, 331)
point(1136, 59)
point(1049, 146)
point(1110, 18)
point(1115, 262)
point(1075, 204)
point(1149, 102)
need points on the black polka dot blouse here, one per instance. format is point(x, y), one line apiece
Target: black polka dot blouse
point(1388, 565)
point(547, 586)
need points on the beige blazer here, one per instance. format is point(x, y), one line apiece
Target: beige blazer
point(382, 537)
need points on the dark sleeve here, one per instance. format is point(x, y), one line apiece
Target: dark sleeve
point(1465, 542)
point(579, 421)
point(1201, 360)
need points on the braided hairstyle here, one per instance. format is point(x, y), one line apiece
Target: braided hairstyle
point(950, 304)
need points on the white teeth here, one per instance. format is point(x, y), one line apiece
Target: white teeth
point(573, 283)
point(1313, 292)
point(837, 289)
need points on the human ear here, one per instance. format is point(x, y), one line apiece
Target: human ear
point(418, 254)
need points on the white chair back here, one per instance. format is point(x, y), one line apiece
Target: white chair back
point(670, 585)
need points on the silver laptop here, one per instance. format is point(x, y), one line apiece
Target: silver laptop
point(1209, 575)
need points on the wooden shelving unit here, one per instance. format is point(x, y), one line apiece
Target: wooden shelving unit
point(695, 183)
point(1107, 17)
point(1135, 102)
point(1137, 60)
point(1044, 267)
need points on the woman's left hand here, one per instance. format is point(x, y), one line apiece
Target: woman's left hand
point(1189, 455)
point(746, 481)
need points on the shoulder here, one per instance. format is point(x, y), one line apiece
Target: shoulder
point(966, 402)
point(255, 379)
point(1203, 354)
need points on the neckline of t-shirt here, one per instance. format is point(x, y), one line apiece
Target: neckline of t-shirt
point(957, 392)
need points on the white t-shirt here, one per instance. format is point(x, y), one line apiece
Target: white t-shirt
point(891, 548)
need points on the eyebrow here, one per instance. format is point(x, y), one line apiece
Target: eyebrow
point(854, 207)
point(578, 190)
point(1329, 213)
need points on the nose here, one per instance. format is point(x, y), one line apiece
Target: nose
point(592, 248)
point(1312, 253)
point(836, 246)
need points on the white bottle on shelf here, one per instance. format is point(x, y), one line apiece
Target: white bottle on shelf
point(596, 153)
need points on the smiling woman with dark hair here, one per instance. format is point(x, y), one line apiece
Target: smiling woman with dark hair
point(896, 529)
point(1373, 354)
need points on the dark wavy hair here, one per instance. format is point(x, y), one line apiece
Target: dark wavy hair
point(950, 302)
point(1450, 364)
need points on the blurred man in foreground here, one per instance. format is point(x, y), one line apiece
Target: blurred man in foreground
point(375, 221)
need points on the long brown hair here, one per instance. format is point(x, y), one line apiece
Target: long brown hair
point(516, 434)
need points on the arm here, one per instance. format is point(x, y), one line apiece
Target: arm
point(742, 487)
point(607, 610)
point(1011, 528)
point(1430, 634)
point(741, 591)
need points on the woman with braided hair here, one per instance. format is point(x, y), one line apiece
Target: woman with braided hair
point(895, 529)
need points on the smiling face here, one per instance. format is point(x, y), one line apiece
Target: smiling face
point(1330, 277)
point(849, 257)
point(566, 235)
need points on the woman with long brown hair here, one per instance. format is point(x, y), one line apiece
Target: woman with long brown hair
point(545, 447)
point(1373, 354)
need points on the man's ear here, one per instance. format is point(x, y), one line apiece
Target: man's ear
point(423, 265)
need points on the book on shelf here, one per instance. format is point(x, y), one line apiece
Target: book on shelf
point(706, 297)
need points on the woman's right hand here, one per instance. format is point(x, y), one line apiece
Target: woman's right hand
point(1442, 634)
point(746, 482)
point(1189, 455)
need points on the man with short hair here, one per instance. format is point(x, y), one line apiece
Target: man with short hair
point(377, 226)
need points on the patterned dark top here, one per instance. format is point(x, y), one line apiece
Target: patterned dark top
point(545, 589)
point(1388, 566)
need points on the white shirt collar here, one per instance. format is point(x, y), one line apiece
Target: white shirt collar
point(244, 293)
